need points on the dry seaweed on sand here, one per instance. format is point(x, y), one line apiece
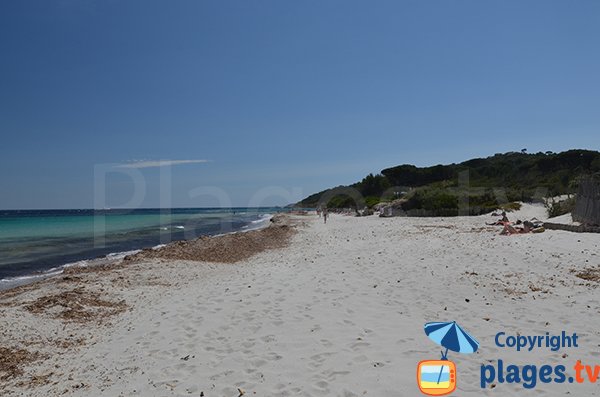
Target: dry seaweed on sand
point(12, 361)
point(228, 248)
point(76, 305)
point(589, 274)
point(78, 270)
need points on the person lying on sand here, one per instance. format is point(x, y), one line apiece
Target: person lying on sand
point(528, 227)
point(509, 229)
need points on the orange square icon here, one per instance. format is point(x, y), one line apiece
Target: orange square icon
point(436, 377)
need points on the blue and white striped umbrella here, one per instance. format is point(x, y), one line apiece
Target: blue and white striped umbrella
point(452, 337)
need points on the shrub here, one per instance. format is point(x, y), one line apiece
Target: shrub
point(371, 201)
point(557, 208)
point(509, 207)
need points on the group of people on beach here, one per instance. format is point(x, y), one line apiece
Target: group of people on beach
point(531, 226)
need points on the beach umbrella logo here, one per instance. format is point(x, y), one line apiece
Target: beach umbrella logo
point(438, 377)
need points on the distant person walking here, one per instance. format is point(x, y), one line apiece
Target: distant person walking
point(325, 215)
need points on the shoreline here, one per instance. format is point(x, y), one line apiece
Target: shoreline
point(337, 310)
point(111, 258)
point(223, 248)
point(117, 258)
point(66, 297)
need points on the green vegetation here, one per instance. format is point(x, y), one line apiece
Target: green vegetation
point(557, 208)
point(509, 207)
point(472, 187)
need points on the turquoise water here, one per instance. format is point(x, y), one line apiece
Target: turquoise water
point(35, 241)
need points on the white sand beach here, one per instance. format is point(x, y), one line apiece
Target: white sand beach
point(337, 312)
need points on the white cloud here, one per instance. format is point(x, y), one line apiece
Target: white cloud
point(158, 163)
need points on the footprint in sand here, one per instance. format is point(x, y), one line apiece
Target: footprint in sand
point(359, 345)
point(268, 338)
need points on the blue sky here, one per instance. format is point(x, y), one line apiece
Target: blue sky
point(281, 96)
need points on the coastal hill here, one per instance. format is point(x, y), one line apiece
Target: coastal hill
point(485, 182)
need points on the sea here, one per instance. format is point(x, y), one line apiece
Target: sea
point(39, 243)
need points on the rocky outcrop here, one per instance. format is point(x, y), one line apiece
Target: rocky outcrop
point(391, 209)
